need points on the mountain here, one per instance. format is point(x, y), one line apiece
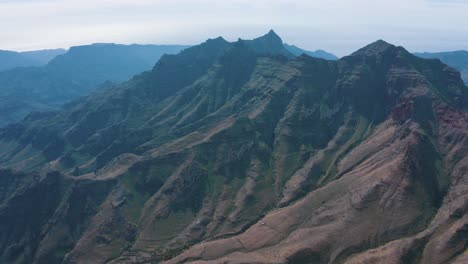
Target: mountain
point(238, 153)
point(42, 57)
point(317, 54)
point(71, 75)
point(12, 59)
point(270, 43)
point(456, 59)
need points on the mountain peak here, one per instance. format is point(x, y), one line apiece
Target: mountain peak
point(272, 33)
point(271, 37)
point(269, 43)
point(376, 47)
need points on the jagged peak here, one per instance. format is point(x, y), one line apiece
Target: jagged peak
point(269, 43)
point(271, 36)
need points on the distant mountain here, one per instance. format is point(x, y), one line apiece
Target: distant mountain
point(12, 59)
point(317, 54)
point(456, 59)
point(43, 56)
point(73, 74)
point(232, 152)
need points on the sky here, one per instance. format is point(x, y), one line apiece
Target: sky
point(338, 26)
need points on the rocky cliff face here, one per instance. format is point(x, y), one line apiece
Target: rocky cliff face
point(237, 153)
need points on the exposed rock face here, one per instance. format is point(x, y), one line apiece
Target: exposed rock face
point(226, 153)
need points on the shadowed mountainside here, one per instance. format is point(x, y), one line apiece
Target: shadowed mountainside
point(240, 153)
point(457, 59)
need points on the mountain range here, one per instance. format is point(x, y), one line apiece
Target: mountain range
point(12, 59)
point(316, 54)
point(71, 75)
point(242, 152)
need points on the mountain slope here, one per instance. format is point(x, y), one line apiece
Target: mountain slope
point(233, 153)
point(456, 59)
point(316, 54)
point(74, 74)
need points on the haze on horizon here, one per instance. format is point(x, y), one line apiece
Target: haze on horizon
point(339, 27)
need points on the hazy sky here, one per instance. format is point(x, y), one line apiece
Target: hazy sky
point(337, 26)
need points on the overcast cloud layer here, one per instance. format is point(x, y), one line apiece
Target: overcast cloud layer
point(337, 26)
